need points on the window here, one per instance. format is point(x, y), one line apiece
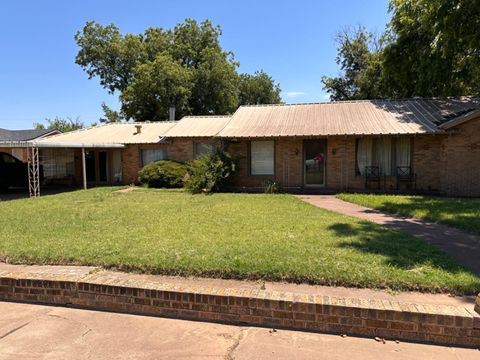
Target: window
point(151, 155)
point(262, 158)
point(202, 148)
point(57, 163)
point(386, 153)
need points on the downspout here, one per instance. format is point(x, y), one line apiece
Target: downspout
point(346, 160)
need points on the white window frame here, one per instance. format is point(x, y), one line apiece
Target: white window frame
point(262, 160)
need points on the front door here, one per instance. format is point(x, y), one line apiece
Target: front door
point(315, 152)
point(97, 166)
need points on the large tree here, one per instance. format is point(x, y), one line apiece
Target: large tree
point(184, 67)
point(258, 88)
point(359, 57)
point(435, 49)
point(430, 48)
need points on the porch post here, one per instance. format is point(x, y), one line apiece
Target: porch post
point(84, 170)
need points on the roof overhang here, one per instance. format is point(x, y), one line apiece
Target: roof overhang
point(41, 144)
point(460, 120)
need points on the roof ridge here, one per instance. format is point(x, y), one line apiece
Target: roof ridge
point(205, 116)
point(366, 100)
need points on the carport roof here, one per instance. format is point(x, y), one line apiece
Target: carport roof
point(110, 135)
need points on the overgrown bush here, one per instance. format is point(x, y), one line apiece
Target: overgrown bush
point(163, 173)
point(272, 187)
point(210, 172)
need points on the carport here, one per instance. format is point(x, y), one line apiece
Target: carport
point(33, 159)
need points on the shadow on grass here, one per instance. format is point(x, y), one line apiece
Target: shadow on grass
point(401, 250)
point(463, 214)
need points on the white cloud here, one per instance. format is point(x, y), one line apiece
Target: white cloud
point(294, 94)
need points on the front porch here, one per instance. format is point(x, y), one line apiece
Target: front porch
point(332, 164)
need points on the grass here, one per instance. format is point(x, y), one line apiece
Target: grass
point(243, 236)
point(461, 213)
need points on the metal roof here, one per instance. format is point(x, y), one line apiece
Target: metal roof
point(364, 117)
point(24, 135)
point(198, 126)
point(113, 135)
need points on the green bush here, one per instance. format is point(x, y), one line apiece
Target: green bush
point(272, 187)
point(163, 173)
point(210, 172)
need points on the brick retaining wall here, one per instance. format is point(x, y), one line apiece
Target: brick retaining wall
point(382, 318)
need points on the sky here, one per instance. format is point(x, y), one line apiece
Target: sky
point(293, 41)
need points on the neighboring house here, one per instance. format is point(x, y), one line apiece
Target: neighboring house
point(9, 138)
point(431, 145)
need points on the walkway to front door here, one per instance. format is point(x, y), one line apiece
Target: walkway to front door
point(463, 247)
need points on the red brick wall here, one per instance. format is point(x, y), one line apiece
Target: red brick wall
point(460, 173)
point(178, 149)
point(23, 156)
point(427, 161)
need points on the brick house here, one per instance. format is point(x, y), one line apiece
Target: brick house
point(423, 145)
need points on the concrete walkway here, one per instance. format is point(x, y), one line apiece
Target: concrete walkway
point(463, 247)
point(46, 332)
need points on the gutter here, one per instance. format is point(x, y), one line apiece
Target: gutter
point(26, 144)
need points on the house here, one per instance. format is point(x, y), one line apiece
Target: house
point(10, 138)
point(424, 145)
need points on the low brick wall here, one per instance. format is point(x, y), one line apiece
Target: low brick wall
point(477, 304)
point(382, 318)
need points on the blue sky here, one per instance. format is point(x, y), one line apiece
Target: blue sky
point(293, 41)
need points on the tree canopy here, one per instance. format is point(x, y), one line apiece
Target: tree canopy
point(430, 48)
point(360, 63)
point(62, 124)
point(184, 67)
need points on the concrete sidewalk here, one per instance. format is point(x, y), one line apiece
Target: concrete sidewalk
point(462, 246)
point(45, 332)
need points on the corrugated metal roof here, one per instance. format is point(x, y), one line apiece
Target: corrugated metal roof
point(114, 134)
point(366, 117)
point(198, 126)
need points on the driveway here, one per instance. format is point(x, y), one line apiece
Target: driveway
point(44, 332)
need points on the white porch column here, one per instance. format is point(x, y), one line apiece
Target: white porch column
point(84, 170)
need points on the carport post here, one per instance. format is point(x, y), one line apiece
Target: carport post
point(84, 170)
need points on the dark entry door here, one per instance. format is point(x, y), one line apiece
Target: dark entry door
point(90, 165)
point(315, 159)
point(102, 166)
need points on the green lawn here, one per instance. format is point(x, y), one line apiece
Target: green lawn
point(461, 213)
point(274, 237)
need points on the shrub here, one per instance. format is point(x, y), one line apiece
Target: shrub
point(272, 187)
point(163, 173)
point(210, 172)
